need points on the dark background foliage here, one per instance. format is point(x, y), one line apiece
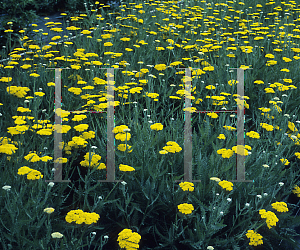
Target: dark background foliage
point(25, 12)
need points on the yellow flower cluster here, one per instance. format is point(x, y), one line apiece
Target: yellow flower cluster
point(270, 216)
point(128, 239)
point(19, 92)
point(8, 149)
point(81, 127)
point(229, 128)
point(32, 174)
point(120, 134)
point(255, 238)
point(267, 126)
point(122, 147)
point(285, 161)
point(33, 157)
point(226, 185)
point(187, 186)
point(126, 168)
point(75, 91)
point(253, 134)
point(213, 115)
point(172, 147)
point(80, 217)
point(5, 79)
point(292, 127)
point(226, 153)
point(93, 162)
point(280, 206)
point(157, 126)
point(240, 149)
point(221, 137)
point(186, 208)
point(297, 191)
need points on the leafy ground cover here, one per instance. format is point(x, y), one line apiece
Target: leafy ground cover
point(146, 43)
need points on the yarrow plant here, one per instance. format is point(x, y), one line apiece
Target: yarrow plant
point(172, 183)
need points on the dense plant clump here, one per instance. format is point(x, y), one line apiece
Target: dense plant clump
point(151, 204)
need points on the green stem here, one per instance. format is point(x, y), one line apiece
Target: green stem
point(112, 189)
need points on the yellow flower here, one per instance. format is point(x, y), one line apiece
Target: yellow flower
point(253, 134)
point(39, 93)
point(221, 136)
point(213, 115)
point(34, 75)
point(187, 186)
point(128, 239)
point(79, 117)
point(280, 206)
point(8, 149)
point(255, 238)
point(210, 87)
point(285, 161)
point(81, 127)
point(297, 191)
point(270, 216)
point(126, 168)
point(157, 126)
point(186, 208)
point(226, 185)
point(34, 175)
point(32, 157)
point(24, 170)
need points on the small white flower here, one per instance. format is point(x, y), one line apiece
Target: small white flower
point(45, 148)
point(57, 235)
point(150, 121)
point(259, 196)
point(51, 184)
point(266, 166)
point(100, 197)
point(265, 194)
point(123, 183)
point(0, 114)
point(40, 89)
point(281, 184)
point(6, 187)
point(284, 95)
point(247, 204)
point(145, 110)
point(93, 233)
point(53, 170)
point(93, 147)
point(229, 199)
point(210, 248)
point(106, 237)
point(217, 194)
point(26, 101)
point(221, 213)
